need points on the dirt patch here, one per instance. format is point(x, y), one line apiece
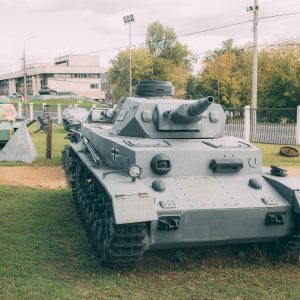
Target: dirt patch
point(37, 177)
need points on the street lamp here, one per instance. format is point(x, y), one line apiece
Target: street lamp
point(24, 68)
point(128, 20)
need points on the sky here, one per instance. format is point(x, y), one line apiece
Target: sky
point(65, 27)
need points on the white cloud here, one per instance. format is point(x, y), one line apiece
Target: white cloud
point(78, 26)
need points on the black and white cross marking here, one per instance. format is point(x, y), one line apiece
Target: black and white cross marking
point(114, 152)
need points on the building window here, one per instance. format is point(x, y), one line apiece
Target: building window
point(94, 86)
point(85, 75)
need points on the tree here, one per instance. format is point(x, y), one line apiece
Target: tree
point(218, 75)
point(159, 39)
point(171, 60)
point(226, 74)
point(142, 63)
point(164, 58)
point(279, 76)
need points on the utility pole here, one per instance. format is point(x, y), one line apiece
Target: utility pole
point(25, 77)
point(24, 68)
point(254, 9)
point(130, 71)
point(253, 118)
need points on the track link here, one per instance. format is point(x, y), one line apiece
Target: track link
point(288, 248)
point(66, 160)
point(117, 245)
point(291, 245)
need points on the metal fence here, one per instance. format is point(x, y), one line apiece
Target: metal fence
point(265, 125)
point(235, 122)
point(38, 110)
point(273, 125)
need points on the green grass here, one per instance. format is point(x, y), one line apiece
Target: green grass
point(45, 255)
point(64, 102)
point(58, 143)
point(271, 156)
point(39, 140)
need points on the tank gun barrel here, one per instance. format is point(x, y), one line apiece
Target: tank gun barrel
point(190, 113)
point(200, 106)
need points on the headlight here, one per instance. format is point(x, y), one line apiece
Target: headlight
point(134, 171)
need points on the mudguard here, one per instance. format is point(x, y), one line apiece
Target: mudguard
point(132, 201)
point(288, 187)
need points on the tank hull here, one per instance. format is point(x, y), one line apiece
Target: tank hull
point(209, 209)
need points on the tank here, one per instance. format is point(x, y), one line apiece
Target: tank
point(164, 176)
point(15, 141)
point(73, 116)
point(9, 123)
point(45, 90)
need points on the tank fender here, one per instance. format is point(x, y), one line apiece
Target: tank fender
point(134, 207)
point(288, 187)
point(132, 200)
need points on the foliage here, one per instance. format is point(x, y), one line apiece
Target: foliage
point(279, 70)
point(141, 62)
point(164, 58)
point(160, 40)
point(226, 74)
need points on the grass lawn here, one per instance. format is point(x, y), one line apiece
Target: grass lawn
point(45, 255)
point(39, 140)
point(64, 102)
point(271, 156)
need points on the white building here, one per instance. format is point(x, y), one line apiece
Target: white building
point(79, 74)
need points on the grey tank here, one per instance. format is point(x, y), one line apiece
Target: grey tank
point(73, 116)
point(164, 176)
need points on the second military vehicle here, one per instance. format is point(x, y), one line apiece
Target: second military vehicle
point(15, 141)
point(164, 176)
point(73, 116)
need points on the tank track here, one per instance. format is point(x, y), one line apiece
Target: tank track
point(288, 248)
point(66, 160)
point(116, 245)
point(291, 245)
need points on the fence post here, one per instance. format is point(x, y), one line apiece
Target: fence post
point(247, 123)
point(44, 105)
point(20, 109)
point(31, 111)
point(49, 139)
point(298, 126)
point(59, 114)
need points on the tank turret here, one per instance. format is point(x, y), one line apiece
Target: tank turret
point(163, 117)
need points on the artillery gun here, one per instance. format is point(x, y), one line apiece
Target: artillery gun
point(15, 141)
point(164, 176)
